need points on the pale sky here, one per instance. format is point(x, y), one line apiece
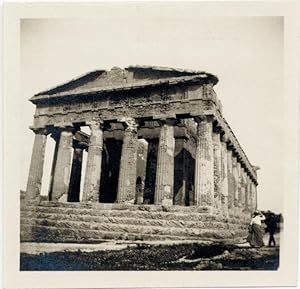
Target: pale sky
point(246, 53)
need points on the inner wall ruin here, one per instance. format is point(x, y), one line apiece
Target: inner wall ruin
point(162, 162)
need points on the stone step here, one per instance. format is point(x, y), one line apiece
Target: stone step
point(78, 222)
point(130, 219)
point(192, 216)
point(127, 228)
point(120, 206)
point(121, 213)
point(61, 234)
point(71, 235)
point(189, 210)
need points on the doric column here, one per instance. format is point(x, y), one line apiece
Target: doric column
point(55, 136)
point(61, 175)
point(230, 181)
point(217, 170)
point(242, 196)
point(247, 203)
point(75, 179)
point(224, 176)
point(204, 163)
point(239, 186)
point(249, 195)
point(91, 189)
point(235, 181)
point(253, 197)
point(164, 185)
point(127, 174)
point(256, 168)
point(36, 165)
point(254, 190)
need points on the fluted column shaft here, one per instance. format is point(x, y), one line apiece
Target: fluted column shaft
point(62, 170)
point(239, 186)
point(253, 197)
point(249, 195)
point(127, 174)
point(75, 179)
point(56, 138)
point(217, 171)
point(91, 189)
point(230, 181)
point(235, 181)
point(224, 178)
point(204, 164)
point(254, 189)
point(164, 185)
point(242, 196)
point(34, 182)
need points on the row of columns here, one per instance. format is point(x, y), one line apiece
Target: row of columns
point(221, 182)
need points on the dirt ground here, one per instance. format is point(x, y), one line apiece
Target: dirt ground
point(147, 256)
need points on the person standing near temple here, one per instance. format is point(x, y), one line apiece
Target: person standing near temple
point(255, 237)
point(271, 228)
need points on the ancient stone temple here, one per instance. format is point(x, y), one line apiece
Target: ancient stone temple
point(162, 162)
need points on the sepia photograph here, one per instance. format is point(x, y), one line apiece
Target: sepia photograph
point(153, 138)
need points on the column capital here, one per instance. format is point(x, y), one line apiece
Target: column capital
point(129, 124)
point(39, 130)
point(240, 159)
point(202, 118)
point(95, 124)
point(224, 137)
point(243, 170)
point(218, 129)
point(230, 146)
point(169, 121)
point(235, 153)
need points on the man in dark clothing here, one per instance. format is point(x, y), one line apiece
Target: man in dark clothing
point(271, 228)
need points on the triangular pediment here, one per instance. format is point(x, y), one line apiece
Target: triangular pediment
point(116, 78)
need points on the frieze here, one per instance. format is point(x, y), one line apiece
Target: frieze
point(163, 96)
point(174, 108)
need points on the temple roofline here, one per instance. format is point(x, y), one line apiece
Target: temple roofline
point(198, 78)
point(171, 69)
point(74, 81)
point(160, 74)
